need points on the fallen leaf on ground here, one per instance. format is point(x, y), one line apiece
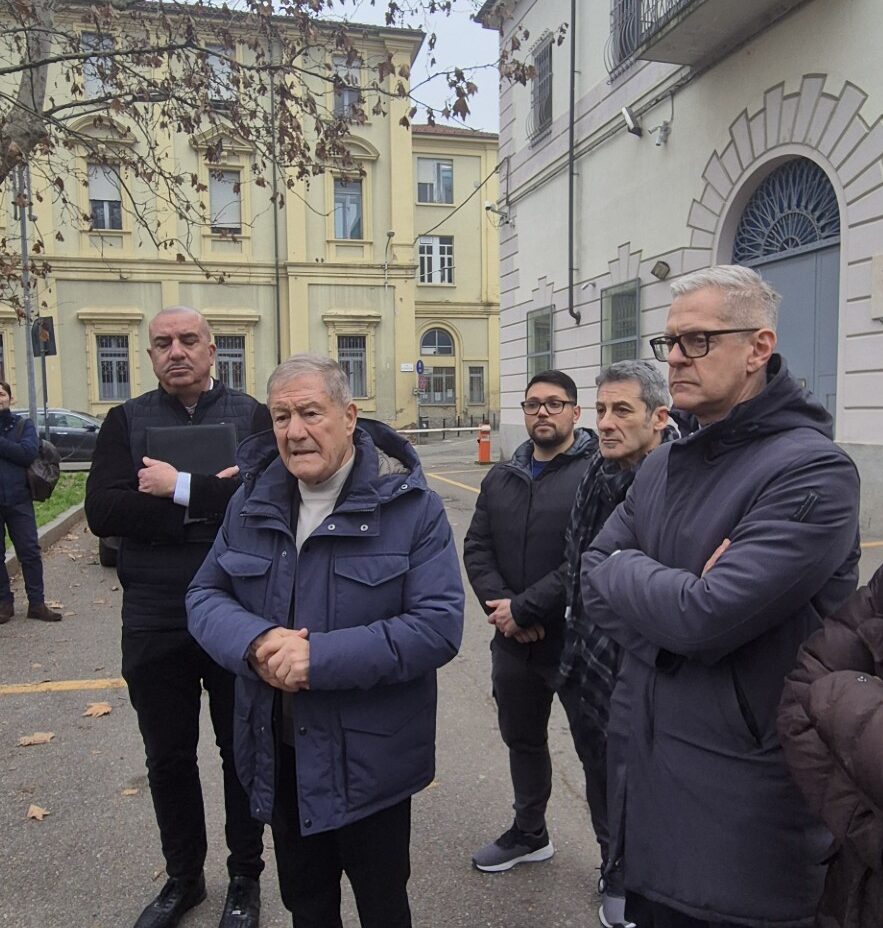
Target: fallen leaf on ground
point(98, 602)
point(36, 666)
point(66, 614)
point(114, 588)
point(96, 709)
point(38, 737)
point(38, 813)
point(54, 604)
point(130, 791)
point(71, 536)
point(158, 873)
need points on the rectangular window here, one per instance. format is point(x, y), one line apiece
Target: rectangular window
point(437, 386)
point(352, 357)
point(230, 360)
point(347, 208)
point(476, 385)
point(346, 91)
point(113, 367)
point(435, 181)
point(96, 70)
point(225, 201)
point(620, 322)
point(539, 341)
point(220, 79)
point(104, 197)
point(541, 90)
point(436, 259)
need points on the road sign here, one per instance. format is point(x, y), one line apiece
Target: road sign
point(419, 367)
point(43, 337)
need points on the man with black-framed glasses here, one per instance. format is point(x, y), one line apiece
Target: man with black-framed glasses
point(730, 545)
point(513, 553)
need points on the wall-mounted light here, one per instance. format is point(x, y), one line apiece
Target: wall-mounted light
point(631, 122)
point(661, 270)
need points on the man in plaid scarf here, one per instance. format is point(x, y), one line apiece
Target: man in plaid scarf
point(632, 414)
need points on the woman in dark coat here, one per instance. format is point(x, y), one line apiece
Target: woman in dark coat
point(831, 726)
point(18, 448)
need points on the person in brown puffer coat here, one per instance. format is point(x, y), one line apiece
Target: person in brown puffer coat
point(831, 728)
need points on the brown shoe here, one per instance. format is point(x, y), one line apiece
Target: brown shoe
point(42, 612)
point(7, 610)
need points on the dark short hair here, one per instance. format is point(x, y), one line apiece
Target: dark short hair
point(6, 387)
point(559, 379)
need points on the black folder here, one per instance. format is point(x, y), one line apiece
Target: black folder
point(195, 449)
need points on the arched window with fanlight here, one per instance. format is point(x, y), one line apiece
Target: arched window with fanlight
point(437, 342)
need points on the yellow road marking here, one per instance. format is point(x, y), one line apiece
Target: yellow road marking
point(62, 686)
point(453, 483)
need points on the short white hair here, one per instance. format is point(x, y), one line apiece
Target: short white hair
point(749, 299)
point(337, 385)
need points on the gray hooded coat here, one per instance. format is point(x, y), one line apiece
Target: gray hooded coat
point(713, 825)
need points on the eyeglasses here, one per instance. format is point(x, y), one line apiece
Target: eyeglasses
point(553, 407)
point(692, 344)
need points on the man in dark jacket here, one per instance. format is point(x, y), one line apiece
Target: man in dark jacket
point(632, 417)
point(729, 545)
point(167, 521)
point(513, 553)
point(333, 592)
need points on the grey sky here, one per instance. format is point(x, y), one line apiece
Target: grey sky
point(461, 42)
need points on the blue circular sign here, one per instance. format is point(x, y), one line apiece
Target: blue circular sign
point(419, 367)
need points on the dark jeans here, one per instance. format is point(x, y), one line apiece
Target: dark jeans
point(647, 914)
point(22, 525)
point(166, 671)
point(373, 852)
point(524, 691)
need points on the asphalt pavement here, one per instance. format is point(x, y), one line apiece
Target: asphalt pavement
point(94, 860)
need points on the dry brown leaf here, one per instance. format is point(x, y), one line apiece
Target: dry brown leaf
point(66, 614)
point(96, 709)
point(38, 737)
point(130, 791)
point(54, 604)
point(38, 813)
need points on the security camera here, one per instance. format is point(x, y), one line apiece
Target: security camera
point(488, 205)
point(663, 131)
point(631, 122)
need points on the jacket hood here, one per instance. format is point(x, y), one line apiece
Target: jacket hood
point(781, 406)
point(585, 442)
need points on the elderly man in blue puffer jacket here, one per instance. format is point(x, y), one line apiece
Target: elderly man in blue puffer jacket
point(333, 591)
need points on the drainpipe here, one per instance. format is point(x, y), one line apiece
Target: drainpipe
point(277, 287)
point(571, 169)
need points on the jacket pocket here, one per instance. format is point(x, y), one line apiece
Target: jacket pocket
point(389, 741)
point(249, 574)
point(368, 587)
point(745, 710)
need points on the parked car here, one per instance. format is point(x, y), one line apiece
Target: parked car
point(73, 433)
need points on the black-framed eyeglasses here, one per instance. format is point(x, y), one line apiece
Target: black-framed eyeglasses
point(692, 344)
point(553, 407)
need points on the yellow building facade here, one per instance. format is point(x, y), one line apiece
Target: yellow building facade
point(381, 271)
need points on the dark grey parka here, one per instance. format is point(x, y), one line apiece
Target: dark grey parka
point(714, 826)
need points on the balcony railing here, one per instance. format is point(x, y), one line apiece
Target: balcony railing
point(685, 31)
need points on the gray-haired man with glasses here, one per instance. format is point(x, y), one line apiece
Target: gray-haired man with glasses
point(730, 545)
point(514, 551)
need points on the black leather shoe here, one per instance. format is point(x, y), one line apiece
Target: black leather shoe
point(174, 899)
point(242, 908)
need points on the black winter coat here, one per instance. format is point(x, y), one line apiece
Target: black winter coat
point(714, 826)
point(18, 448)
point(514, 548)
point(162, 544)
point(831, 726)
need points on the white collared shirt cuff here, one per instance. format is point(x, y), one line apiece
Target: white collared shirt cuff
point(182, 489)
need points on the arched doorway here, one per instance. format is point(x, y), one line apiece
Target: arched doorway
point(790, 233)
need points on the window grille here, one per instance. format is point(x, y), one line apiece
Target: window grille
point(620, 323)
point(230, 360)
point(352, 357)
point(113, 367)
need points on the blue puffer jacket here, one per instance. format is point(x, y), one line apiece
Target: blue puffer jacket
point(378, 586)
point(16, 453)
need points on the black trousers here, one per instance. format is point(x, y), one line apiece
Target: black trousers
point(374, 853)
point(647, 914)
point(523, 692)
point(166, 672)
point(22, 525)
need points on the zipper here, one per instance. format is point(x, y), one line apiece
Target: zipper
point(744, 707)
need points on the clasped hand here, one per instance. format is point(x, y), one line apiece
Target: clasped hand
point(281, 658)
point(505, 622)
point(159, 478)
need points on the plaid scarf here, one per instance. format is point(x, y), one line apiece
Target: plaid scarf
point(590, 659)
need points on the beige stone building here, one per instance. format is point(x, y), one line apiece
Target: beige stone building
point(379, 270)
